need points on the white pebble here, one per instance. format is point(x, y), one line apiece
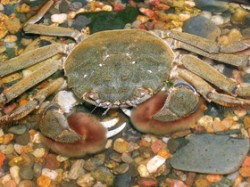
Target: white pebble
point(39, 152)
point(154, 163)
point(14, 173)
point(1, 7)
point(1, 132)
point(76, 169)
point(59, 18)
point(142, 169)
point(206, 14)
point(61, 158)
point(217, 19)
point(52, 174)
point(7, 149)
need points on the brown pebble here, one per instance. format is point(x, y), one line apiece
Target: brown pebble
point(245, 171)
point(202, 182)
point(146, 182)
point(52, 162)
point(156, 146)
point(246, 122)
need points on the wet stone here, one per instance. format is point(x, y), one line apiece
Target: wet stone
point(203, 155)
point(26, 172)
point(94, 162)
point(123, 180)
point(64, 6)
point(23, 139)
point(103, 175)
point(212, 5)
point(26, 183)
point(80, 22)
point(19, 129)
point(52, 162)
point(202, 26)
point(122, 168)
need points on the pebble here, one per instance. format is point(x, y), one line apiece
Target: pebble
point(154, 163)
point(121, 146)
point(212, 5)
point(103, 175)
point(148, 182)
point(10, 39)
point(126, 157)
point(52, 174)
point(80, 22)
point(26, 183)
point(26, 172)
point(39, 152)
point(142, 170)
point(37, 169)
point(59, 18)
point(85, 180)
point(51, 162)
point(202, 182)
point(66, 100)
point(202, 26)
point(14, 172)
point(7, 149)
point(13, 25)
point(94, 162)
point(76, 169)
point(239, 16)
point(43, 181)
point(217, 19)
point(120, 169)
point(18, 129)
point(23, 139)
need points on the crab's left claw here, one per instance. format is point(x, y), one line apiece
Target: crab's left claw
point(168, 113)
point(76, 136)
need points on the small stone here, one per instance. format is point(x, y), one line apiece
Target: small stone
point(94, 162)
point(37, 169)
point(51, 162)
point(214, 178)
point(103, 175)
point(59, 18)
point(10, 38)
point(202, 26)
point(80, 22)
point(2, 158)
point(120, 169)
point(19, 129)
point(126, 158)
point(246, 122)
point(86, 180)
point(23, 8)
point(10, 183)
point(217, 19)
point(52, 174)
point(121, 146)
point(156, 146)
point(148, 182)
point(13, 25)
point(61, 158)
point(26, 183)
point(245, 171)
point(142, 170)
point(39, 152)
point(234, 35)
point(76, 169)
point(14, 172)
point(43, 181)
point(154, 163)
point(23, 139)
point(239, 16)
point(212, 5)
point(7, 149)
point(240, 112)
point(202, 182)
point(26, 172)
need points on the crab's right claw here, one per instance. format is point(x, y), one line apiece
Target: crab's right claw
point(76, 136)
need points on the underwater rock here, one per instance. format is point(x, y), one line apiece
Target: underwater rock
point(209, 153)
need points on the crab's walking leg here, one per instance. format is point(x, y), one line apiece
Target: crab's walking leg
point(34, 102)
point(208, 48)
point(213, 76)
point(41, 12)
point(209, 93)
point(53, 31)
point(32, 57)
point(46, 69)
point(31, 27)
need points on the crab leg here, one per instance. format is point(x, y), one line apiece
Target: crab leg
point(232, 59)
point(53, 31)
point(213, 76)
point(208, 92)
point(35, 101)
point(32, 57)
point(41, 12)
point(46, 69)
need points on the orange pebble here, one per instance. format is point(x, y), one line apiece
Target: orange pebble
point(245, 171)
point(214, 178)
point(246, 162)
point(23, 102)
point(164, 153)
point(43, 181)
point(2, 158)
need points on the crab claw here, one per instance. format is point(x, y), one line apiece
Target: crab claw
point(76, 136)
point(144, 119)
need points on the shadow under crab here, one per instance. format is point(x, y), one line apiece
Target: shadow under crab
point(124, 68)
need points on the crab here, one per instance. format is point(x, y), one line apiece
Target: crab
point(120, 69)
